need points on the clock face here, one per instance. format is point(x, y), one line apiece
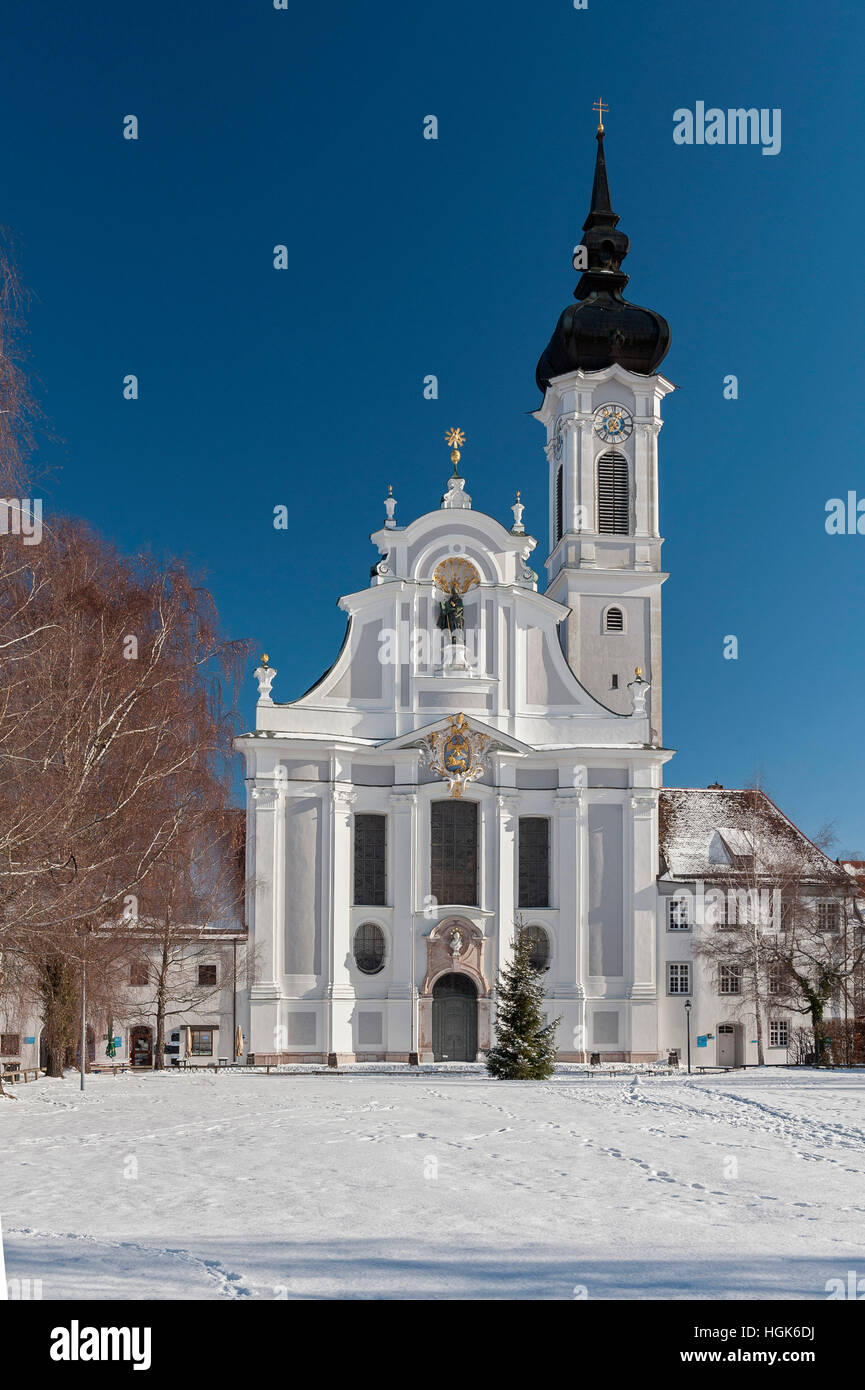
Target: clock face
point(613, 423)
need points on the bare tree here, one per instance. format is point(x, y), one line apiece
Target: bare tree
point(192, 901)
point(781, 926)
point(114, 725)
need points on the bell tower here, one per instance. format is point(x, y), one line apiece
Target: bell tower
point(602, 412)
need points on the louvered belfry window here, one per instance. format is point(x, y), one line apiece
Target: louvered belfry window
point(454, 857)
point(560, 505)
point(614, 508)
point(534, 851)
point(615, 620)
point(370, 869)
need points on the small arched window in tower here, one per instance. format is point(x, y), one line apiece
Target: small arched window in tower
point(614, 620)
point(560, 509)
point(614, 507)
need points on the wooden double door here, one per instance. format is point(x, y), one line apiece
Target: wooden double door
point(455, 1019)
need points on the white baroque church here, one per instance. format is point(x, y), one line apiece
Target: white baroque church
point(484, 757)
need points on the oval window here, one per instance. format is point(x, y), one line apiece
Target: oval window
point(369, 948)
point(540, 944)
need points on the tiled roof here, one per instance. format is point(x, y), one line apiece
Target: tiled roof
point(708, 833)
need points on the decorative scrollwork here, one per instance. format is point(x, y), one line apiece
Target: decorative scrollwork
point(457, 754)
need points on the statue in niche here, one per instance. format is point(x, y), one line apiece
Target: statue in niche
point(452, 616)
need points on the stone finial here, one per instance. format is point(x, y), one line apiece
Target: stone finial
point(390, 508)
point(518, 529)
point(264, 674)
point(639, 689)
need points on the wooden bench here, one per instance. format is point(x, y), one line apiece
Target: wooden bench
point(113, 1067)
point(14, 1075)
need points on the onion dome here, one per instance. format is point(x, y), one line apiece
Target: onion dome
point(602, 327)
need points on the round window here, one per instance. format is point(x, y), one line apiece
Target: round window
point(369, 948)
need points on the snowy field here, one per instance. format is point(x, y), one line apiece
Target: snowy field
point(439, 1186)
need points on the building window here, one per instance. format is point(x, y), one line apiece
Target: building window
point(729, 979)
point(369, 948)
point(776, 979)
point(206, 975)
point(615, 683)
point(202, 1042)
point(828, 916)
point(10, 1044)
point(139, 973)
point(614, 620)
point(678, 977)
point(370, 852)
point(679, 914)
point(454, 852)
point(614, 505)
point(560, 515)
point(540, 944)
point(534, 855)
point(779, 1032)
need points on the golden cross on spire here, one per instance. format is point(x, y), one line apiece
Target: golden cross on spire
point(600, 106)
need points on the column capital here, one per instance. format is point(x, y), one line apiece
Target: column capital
point(342, 798)
point(266, 795)
point(644, 805)
point(403, 801)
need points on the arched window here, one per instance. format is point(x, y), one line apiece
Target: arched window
point(540, 944)
point(560, 505)
point(614, 506)
point(614, 620)
point(454, 852)
point(369, 948)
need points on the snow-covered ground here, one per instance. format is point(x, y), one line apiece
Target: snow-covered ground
point(445, 1185)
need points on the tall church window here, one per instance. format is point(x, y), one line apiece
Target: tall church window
point(534, 862)
point(560, 504)
point(614, 506)
point(454, 852)
point(370, 852)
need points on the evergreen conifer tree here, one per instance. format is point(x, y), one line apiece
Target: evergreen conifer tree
point(525, 1047)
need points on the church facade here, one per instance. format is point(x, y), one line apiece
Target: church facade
point(485, 755)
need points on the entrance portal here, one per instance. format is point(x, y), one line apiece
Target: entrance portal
point(455, 1019)
point(141, 1046)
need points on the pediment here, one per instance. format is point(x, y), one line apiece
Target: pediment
point(415, 737)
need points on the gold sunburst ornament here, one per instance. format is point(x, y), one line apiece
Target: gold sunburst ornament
point(455, 573)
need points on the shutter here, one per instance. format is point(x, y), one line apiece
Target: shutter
point(614, 507)
point(615, 620)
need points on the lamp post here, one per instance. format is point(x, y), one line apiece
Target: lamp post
point(688, 1023)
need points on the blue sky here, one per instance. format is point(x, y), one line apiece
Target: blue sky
point(453, 257)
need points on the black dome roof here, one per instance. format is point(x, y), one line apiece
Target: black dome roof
point(602, 327)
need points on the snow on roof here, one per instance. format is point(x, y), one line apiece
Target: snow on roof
point(692, 821)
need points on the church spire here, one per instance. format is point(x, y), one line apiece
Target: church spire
point(602, 327)
point(602, 209)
